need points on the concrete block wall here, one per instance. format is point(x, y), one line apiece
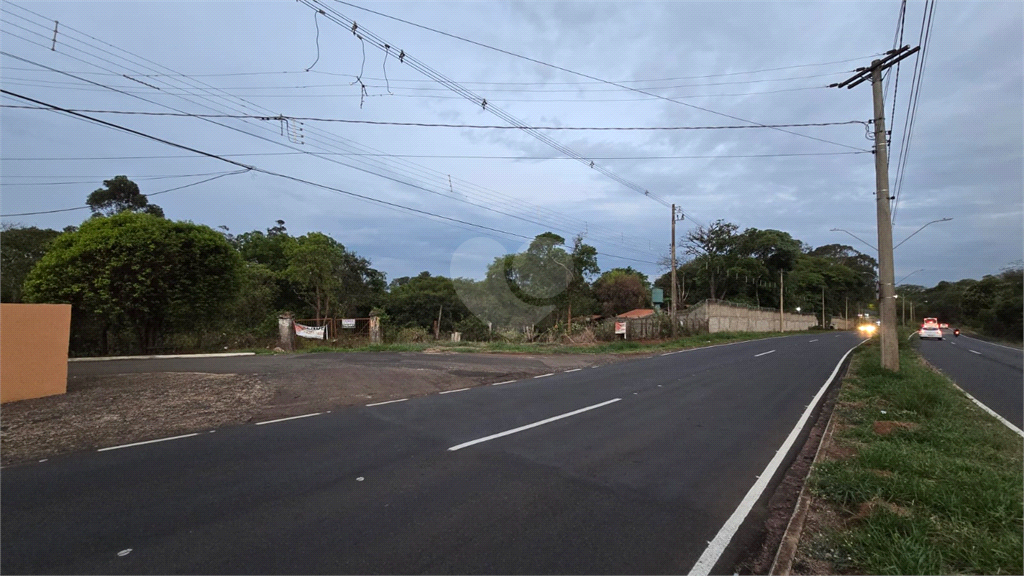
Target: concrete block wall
point(725, 317)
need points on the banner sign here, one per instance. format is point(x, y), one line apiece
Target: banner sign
point(620, 327)
point(348, 322)
point(314, 332)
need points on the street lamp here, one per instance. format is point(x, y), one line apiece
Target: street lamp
point(854, 235)
point(919, 229)
point(909, 275)
point(896, 246)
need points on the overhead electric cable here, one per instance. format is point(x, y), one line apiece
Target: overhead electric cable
point(912, 105)
point(218, 123)
point(440, 125)
point(247, 167)
point(373, 40)
point(147, 195)
point(445, 156)
point(347, 21)
point(420, 80)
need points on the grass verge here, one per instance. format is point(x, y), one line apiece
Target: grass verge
point(918, 480)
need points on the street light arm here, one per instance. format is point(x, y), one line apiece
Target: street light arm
point(919, 229)
point(851, 234)
point(909, 275)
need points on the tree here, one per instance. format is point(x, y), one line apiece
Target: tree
point(138, 271)
point(712, 249)
point(417, 301)
point(329, 278)
point(20, 249)
point(620, 290)
point(120, 194)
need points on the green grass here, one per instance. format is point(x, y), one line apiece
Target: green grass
point(957, 478)
point(617, 347)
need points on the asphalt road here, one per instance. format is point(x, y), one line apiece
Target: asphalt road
point(992, 373)
point(631, 467)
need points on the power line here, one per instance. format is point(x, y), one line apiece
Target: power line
point(585, 100)
point(556, 67)
point(440, 156)
point(420, 80)
point(327, 135)
point(912, 104)
point(489, 208)
point(525, 90)
point(163, 177)
point(896, 84)
point(282, 118)
point(147, 195)
point(414, 63)
point(247, 168)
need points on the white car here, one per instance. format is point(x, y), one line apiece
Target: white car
point(930, 332)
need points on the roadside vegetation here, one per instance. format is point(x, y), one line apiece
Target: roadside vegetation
point(142, 283)
point(916, 479)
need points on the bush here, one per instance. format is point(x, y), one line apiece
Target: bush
point(412, 334)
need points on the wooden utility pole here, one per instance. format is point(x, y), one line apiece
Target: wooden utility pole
point(822, 307)
point(886, 278)
point(673, 307)
point(846, 315)
point(782, 327)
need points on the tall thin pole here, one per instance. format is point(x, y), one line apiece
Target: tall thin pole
point(887, 306)
point(886, 288)
point(782, 327)
point(672, 302)
point(846, 315)
point(822, 307)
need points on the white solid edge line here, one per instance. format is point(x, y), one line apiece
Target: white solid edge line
point(388, 402)
point(505, 382)
point(528, 426)
point(715, 548)
point(763, 353)
point(545, 375)
point(992, 343)
point(146, 442)
point(573, 370)
point(289, 418)
point(990, 411)
point(158, 357)
point(453, 391)
point(974, 352)
point(815, 340)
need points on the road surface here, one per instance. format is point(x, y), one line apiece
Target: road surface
point(992, 373)
point(634, 467)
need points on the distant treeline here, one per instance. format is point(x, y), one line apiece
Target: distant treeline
point(139, 282)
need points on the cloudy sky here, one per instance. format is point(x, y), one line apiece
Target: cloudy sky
point(484, 191)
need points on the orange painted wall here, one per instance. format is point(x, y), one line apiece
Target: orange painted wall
point(33, 350)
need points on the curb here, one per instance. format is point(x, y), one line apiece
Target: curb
point(215, 355)
point(783, 564)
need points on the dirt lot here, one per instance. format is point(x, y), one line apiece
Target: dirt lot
point(117, 402)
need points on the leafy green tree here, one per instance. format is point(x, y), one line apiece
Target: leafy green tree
point(416, 301)
point(330, 279)
point(20, 249)
point(120, 194)
point(138, 271)
point(620, 290)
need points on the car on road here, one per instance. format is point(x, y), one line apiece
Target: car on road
point(930, 331)
point(943, 325)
